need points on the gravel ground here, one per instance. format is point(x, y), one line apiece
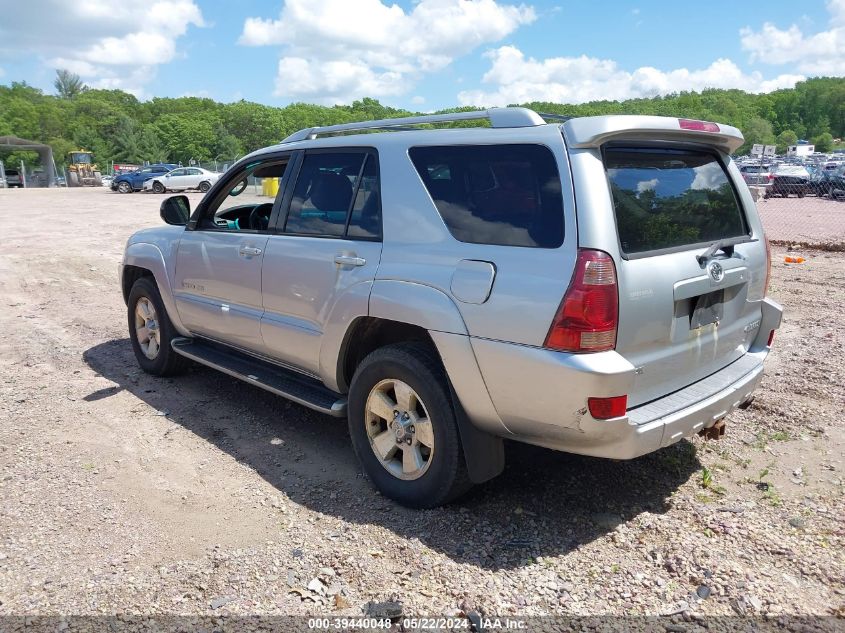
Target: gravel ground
point(125, 494)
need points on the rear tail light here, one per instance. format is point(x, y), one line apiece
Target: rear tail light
point(606, 408)
point(589, 312)
point(698, 126)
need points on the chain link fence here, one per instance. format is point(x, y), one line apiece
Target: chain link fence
point(801, 202)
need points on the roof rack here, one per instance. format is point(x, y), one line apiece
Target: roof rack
point(498, 117)
point(559, 118)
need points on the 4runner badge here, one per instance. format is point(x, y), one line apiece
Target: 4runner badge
point(717, 273)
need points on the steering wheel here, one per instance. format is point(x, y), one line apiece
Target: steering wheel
point(259, 217)
point(238, 189)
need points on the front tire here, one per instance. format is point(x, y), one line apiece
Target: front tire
point(151, 331)
point(158, 187)
point(124, 187)
point(403, 427)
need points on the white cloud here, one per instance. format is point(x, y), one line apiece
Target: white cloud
point(647, 185)
point(336, 51)
point(416, 100)
point(821, 53)
point(109, 44)
point(516, 78)
point(2, 72)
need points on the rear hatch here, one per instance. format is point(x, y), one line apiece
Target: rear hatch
point(687, 257)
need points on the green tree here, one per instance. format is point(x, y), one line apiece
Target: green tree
point(823, 142)
point(785, 139)
point(68, 85)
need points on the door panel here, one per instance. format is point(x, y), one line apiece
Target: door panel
point(218, 285)
point(301, 284)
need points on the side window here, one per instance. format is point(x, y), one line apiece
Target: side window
point(365, 221)
point(324, 193)
point(241, 204)
point(194, 171)
point(178, 172)
point(508, 195)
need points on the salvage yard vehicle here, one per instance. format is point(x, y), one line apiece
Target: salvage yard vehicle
point(789, 179)
point(182, 179)
point(128, 182)
point(594, 285)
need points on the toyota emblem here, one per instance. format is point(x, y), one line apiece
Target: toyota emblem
point(717, 273)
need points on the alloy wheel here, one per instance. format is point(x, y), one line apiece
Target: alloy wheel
point(147, 328)
point(399, 429)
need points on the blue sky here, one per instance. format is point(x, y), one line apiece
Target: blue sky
point(424, 54)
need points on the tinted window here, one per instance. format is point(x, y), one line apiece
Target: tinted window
point(495, 194)
point(669, 198)
point(365, 221)
point(323, 194)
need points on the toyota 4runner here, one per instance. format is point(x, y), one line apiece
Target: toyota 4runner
point(594, 285)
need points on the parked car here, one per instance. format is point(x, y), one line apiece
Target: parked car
point(13, 178)
point(107, 180)
point(134, 180)
point(756, 175)
point(442, 290)
point(836, 183)
point(818, 184)
point(789, 179)
point(182, 179)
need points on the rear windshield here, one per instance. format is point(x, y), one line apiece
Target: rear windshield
point(495, 194)
point(671, 198)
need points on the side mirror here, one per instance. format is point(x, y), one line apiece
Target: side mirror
point(176, 210)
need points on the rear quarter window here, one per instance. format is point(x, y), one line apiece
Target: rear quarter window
point(508, 195)
point(671, 198)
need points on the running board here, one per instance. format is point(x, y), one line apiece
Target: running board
point(283, 382)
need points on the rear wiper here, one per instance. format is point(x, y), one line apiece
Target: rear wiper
point(718, 245)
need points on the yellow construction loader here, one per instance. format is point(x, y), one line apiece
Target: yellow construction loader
point(81, 171)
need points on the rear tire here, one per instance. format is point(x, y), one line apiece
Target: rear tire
point(148, 323)
point(204, 186)
point(441, 474)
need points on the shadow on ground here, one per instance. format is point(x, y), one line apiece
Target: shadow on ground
point(546, 503)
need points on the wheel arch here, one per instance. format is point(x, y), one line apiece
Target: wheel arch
point(404, 311)
point(141, 260)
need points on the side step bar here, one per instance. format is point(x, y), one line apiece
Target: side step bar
point(283, 382)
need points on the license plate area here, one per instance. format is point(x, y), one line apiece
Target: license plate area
point(707, 309)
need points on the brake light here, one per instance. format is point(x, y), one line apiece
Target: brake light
point(587, 318)
point(606, 408)
point(698, 126)
point(768, 265)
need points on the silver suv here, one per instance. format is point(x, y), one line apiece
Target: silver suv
point(594, 285)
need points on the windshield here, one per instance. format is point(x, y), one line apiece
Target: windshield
point(80, 157)
point(670, 198)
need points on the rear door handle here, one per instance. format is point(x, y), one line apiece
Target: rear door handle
point(349, 260)
point(249, 251)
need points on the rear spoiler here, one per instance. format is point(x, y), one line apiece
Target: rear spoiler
point(594, 131)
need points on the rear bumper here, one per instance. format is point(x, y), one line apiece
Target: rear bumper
point(551, 411)
point(541, 396)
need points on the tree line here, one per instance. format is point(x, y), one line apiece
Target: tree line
point(117, 127)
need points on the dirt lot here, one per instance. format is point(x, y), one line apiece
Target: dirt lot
point(123, 493)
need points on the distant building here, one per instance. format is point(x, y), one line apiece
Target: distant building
point(800, 150)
